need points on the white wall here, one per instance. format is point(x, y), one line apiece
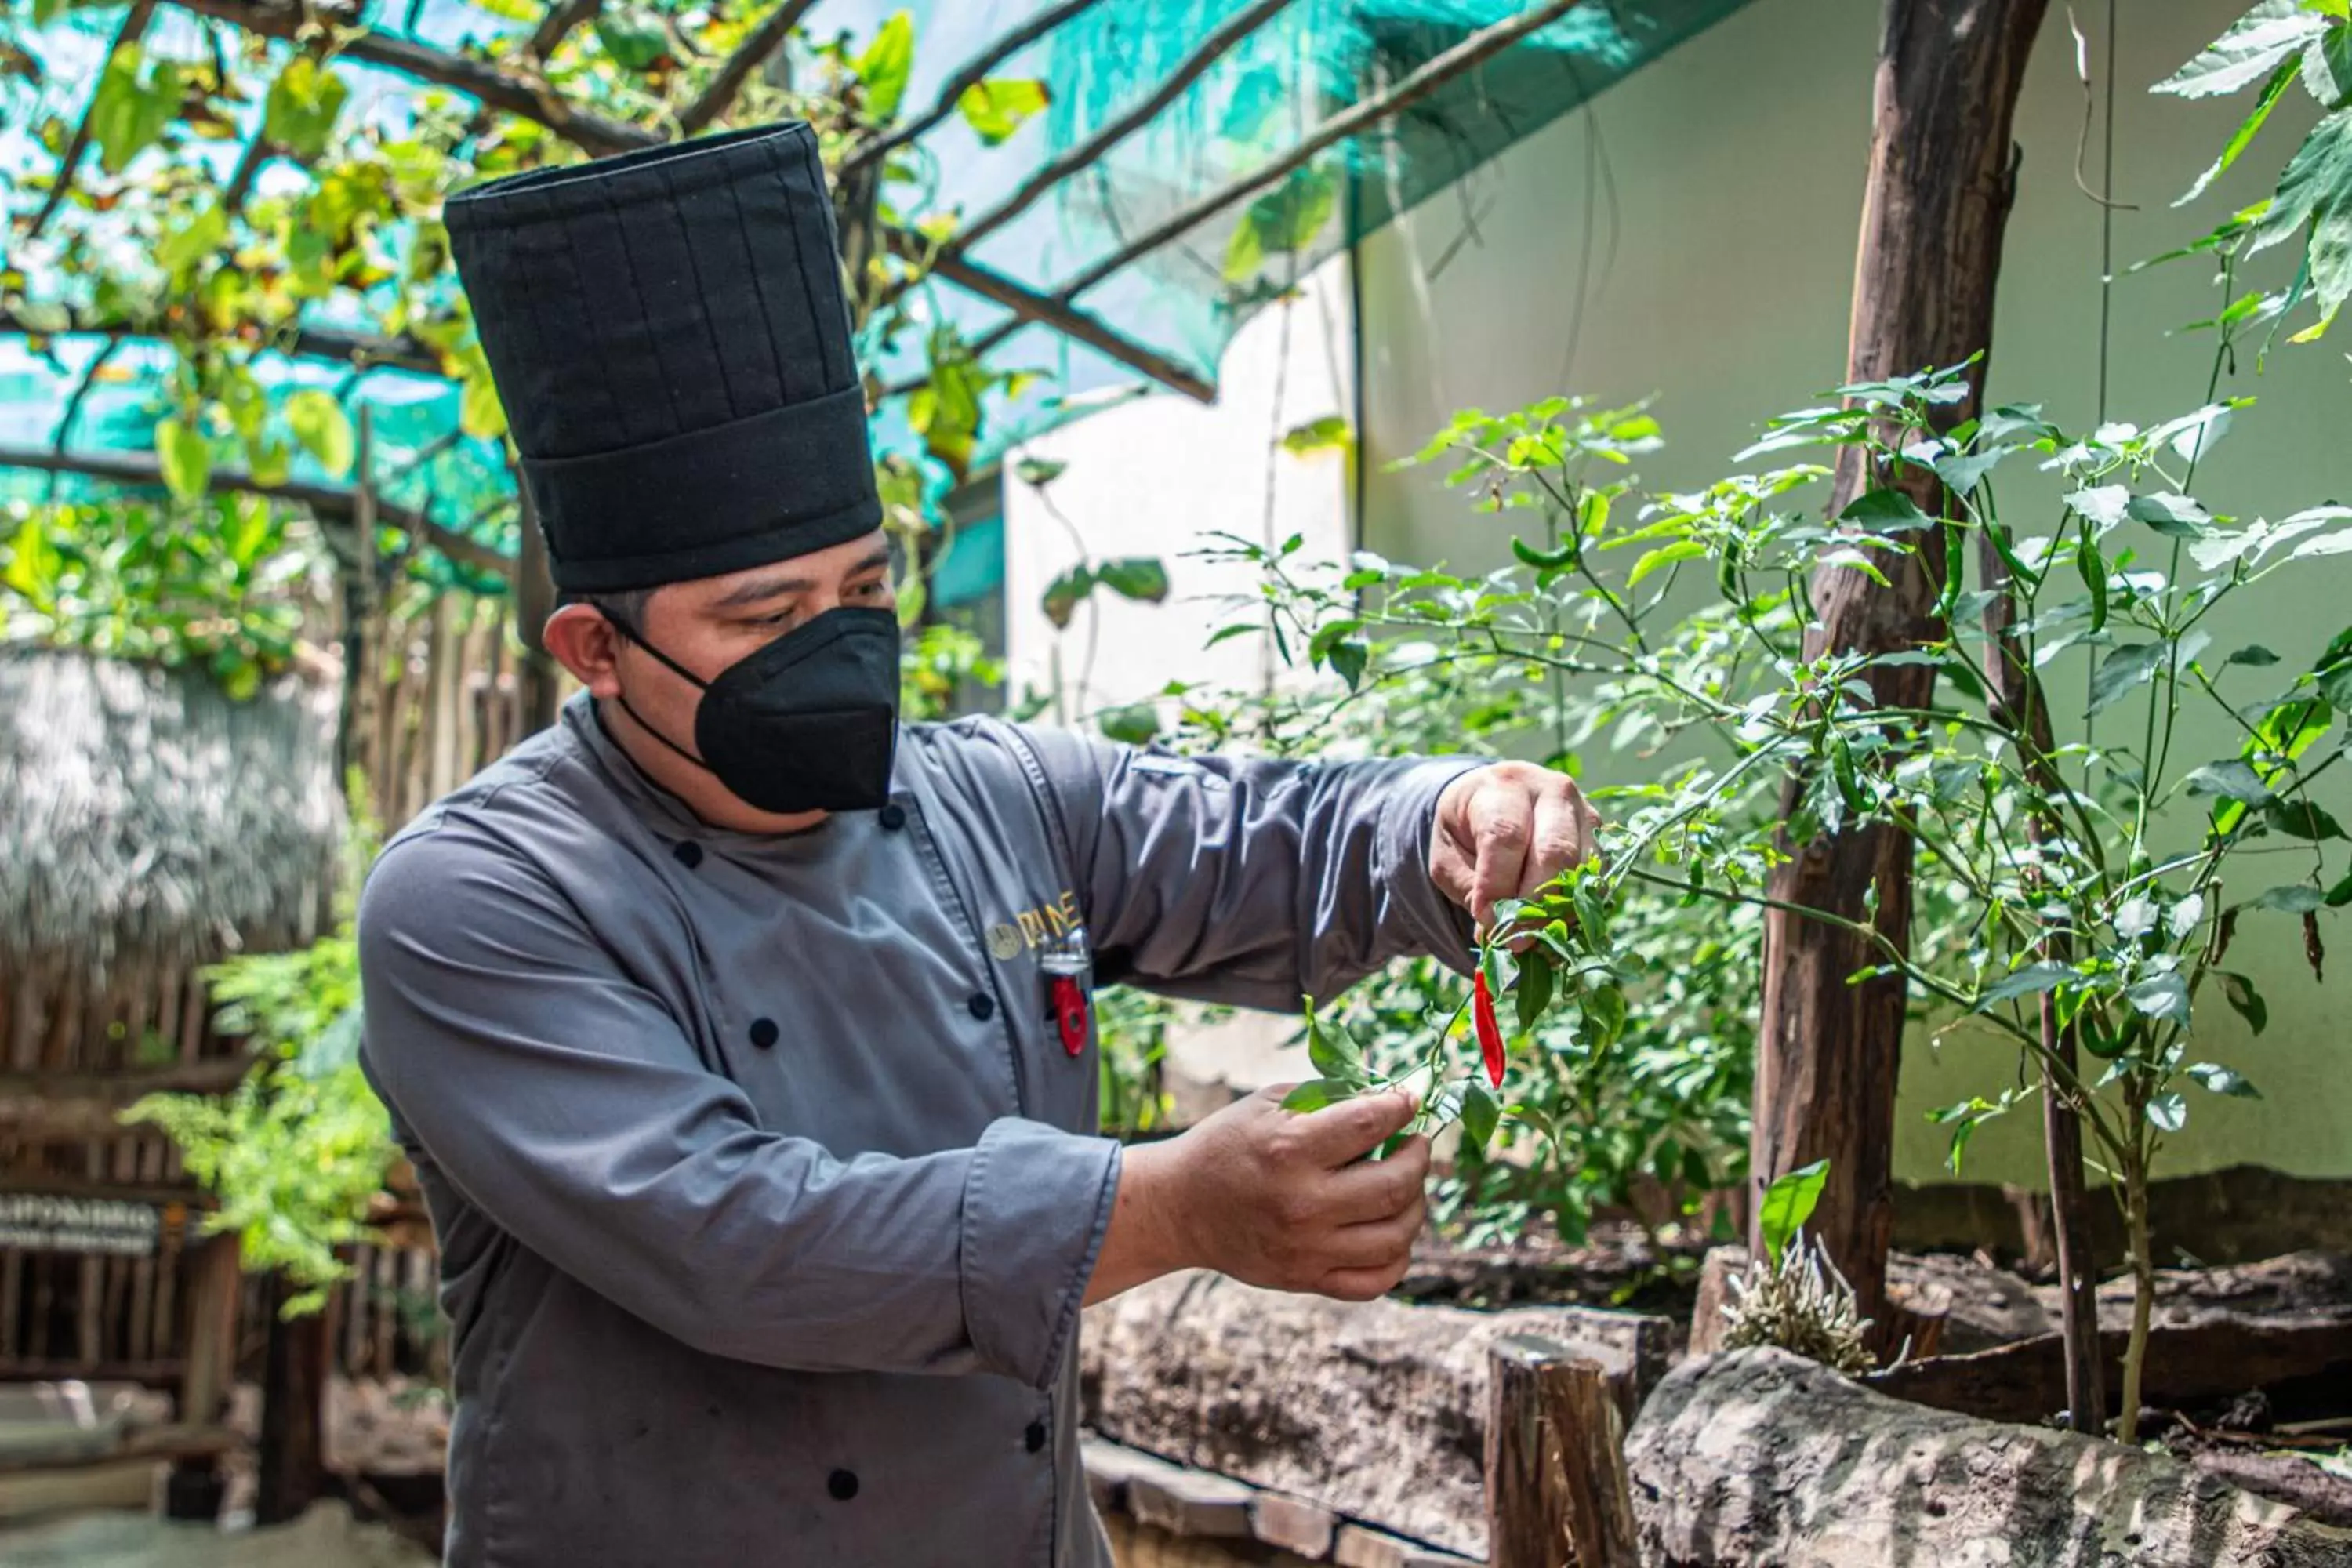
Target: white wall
point(1738, 164)
point(1153, 477)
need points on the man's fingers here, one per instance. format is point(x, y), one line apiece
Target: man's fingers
point(1341, 1134)
point(1502, 817)
point(1381, 1189)
point(1562, 837)
point(1380, 1242)
point(1452, 870)
point(1362, 1284)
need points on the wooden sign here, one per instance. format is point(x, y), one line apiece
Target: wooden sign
point(118, 1228)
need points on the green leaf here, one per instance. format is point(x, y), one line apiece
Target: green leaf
point(127, 115)
point(885, 66)
point(1328, 433)
point(635, 40)
point(2254, 45)
point(1039, 472)
point(481, 413)
point(1962, 474)
point(1334, 1055)
point(2169, 1112)
point(1665, 555)
point(997, 108)
point(1886, 512)
point(1480, 1113)
point(2253, 654)
point(1789, 1203)
point(2124, 669)
point(2327, 67)
point(1604, 1013)
point(1533, 992)
point(2299, 819)
point(1138, 577)
point(1135, 724)
point(2174, 516)
point(303, 104)
point(1284, 221)
point(201, 237)
point(2244, 137)
point(32, 563)
point(2218, 1080)
point(2295, 898)
point(2162, 996)
point(1315, 1093)
point(2093, 567)
point(2232, 780)
point(1064, 593)
point(188, 464)
point(2247, 1000)
point(2316, 190)
point(2026, 981)
point(1349, 656)
point(320, 422)
point(2107, 505)
point(2341, 894)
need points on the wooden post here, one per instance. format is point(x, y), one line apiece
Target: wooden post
point(210, 1353)
point(291, 1466)
point(1934, 211)
point(1557, 1492)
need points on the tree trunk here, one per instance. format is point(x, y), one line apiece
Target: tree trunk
point(1937, 201)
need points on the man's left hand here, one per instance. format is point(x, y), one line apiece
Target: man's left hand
point(1506, 830)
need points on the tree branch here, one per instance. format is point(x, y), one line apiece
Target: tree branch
point(765, 39)
point(1211, 49)
point(592, 133)
point(1066, 318)
point(316, 343)
point(241, 178)
point(1434, 73)
point(563, 19)
point(134, 25)
point(974, 71)
point(325, 501)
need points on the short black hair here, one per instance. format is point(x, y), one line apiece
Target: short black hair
point(625, 608)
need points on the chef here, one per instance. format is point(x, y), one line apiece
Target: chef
point(743, 1038)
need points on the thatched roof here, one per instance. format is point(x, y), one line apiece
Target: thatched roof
point(145, 814)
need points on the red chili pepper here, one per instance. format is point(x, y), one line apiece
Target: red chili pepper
point(1070, 1012)
point(1490, 1033)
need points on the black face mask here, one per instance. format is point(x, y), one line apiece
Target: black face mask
point(808, 722)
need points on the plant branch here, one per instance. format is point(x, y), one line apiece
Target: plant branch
point(563, 19)
point(765, 39)
point(134, 26)
point(970, 75)
point(1064, 318)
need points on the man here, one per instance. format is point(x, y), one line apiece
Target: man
point(743, 1041)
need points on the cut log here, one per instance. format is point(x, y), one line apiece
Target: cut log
point(1758, 1457)
point(1555, 1486)
point(45, 1107)
point(1376, 1411)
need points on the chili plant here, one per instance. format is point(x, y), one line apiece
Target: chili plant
point(2080, 852)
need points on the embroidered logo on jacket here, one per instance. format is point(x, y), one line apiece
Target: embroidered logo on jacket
point(1033, 929)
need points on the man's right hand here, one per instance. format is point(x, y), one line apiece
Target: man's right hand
point(1273, 1198)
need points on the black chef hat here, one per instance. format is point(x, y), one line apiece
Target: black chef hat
point(668, 332)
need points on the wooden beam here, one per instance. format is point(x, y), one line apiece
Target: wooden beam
point(1935, 208)
point(212, 1075)
point(1088, 152)
point(1363, 115)
point(1067, 319)
point(326, 501)
point(134, 25)
point(969, 75)
point(178, 1441)
point(719, 95)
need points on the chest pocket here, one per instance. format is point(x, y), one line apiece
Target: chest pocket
point(1046, 965)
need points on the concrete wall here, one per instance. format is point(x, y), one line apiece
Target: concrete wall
point(1722, 286)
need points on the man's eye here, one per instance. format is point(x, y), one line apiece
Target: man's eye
point(873, 590)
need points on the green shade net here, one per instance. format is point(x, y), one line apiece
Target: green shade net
point(1256, 102)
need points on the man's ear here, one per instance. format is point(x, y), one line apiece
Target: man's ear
point(587, 645)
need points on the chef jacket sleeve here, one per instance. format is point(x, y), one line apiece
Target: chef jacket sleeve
point(562, 1099)
point(1253, 881)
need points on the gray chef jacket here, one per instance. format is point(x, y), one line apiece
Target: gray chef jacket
point(767, 1189)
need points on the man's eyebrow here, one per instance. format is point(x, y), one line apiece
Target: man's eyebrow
point(761, 589)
